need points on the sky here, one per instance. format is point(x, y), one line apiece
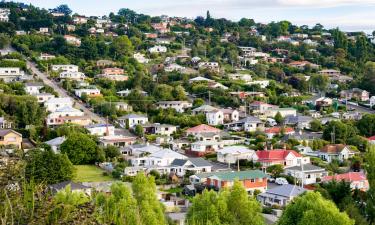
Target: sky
point(349, 15)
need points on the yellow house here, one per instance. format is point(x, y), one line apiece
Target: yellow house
point(10, 137)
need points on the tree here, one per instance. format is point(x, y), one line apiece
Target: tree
point(370, 169)
point(366, 125)
point(342, 132)
point(232, 206)
point(316, 125)
point(4, 40)
point(179, 93)
point(150, 209)
point(312, 209)
point(275, 170)
point(138, 130)
point(63, 9)
point(368, 80)
point(80, 148)
point(111, 151)
point(44, 166)
point(279, 118)
point(319, 82)
point(121, 46)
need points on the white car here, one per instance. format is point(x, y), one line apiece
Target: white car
point(281, 181)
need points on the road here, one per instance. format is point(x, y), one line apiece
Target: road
point(63, 93)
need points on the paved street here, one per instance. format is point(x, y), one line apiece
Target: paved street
point(63, 93)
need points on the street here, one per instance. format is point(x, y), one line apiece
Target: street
point(63, 93)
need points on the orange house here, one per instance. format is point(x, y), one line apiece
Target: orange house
point(113, 71)
point(251, 179)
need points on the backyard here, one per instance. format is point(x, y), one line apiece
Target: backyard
point(90, 173)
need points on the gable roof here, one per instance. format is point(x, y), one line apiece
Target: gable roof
point(333, 148)
point(240, 175)
point(371, 138)
point(73, 186)
point(236, 149)
point(198, 162)
point(348, 177)
point(275, 155)
point(203, 128)
point(276, 130)
point(56, 141)
point(306, 168)
point(204, 108)
point(4, 132)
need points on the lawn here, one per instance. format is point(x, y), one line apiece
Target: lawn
point(90, 173)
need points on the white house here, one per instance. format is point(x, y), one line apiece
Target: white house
point(283, 111)
point(89, 92)
point(72, 75)
point(258, 107)
point(281, 195)
point(43, 97)
point(160, 129)
point(200, 79)
point(101, 129)
point(72, 40)
point(231, 154)
point(54, 118)
point(140, 58)
point(194, 165)
point(55, 103)
point(4, 14)
point(56, 143)
point(261, 83)
point(306, 173)
point(372, 101)
point(9, 74)
point(179, 106)
point(214, 66)
point(33, 88)
point(46, 56)
point(240, 76)
point(249, 124)
point(66, 68)
point(164, 157)
point(158, 49)
point(215, 117)
point(132, 120)
point(338, 152)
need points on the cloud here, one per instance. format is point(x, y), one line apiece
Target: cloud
point(323, 3)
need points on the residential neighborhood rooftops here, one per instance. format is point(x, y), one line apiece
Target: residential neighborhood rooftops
point(348, 177)
point(199, 162)
point(278, 154)
point(203, 128)
point(240, 175)
point(333, 148)
point(306, 167)
point(287, 190)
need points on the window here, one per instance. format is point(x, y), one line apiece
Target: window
point(252, 180)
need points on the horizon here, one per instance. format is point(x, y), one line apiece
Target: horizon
point(348, 15)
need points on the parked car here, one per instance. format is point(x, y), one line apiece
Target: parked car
point(281, 181)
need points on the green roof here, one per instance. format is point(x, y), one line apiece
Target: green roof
point(239, 175)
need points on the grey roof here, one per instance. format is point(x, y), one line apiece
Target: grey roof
point(286, 190)
point(4, 132)
point(198, 162)
point(73, 186)
point(306, 168)
point(204, 108)
point(297, 119)
point(56, 141)
point(250, 119)
point(132, 116)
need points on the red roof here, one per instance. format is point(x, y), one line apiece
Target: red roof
point(276, 130)
point(260, 103)
point(275, 155)
point(203, 128)
point(348, 177)
point(371, 138)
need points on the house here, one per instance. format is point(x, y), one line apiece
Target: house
point(158, 49)
point(204, 132)
point(55, 103)
point(200, 79)
point(261, 83)
point(370, 139)
point(55, 143)
point(140, 58)
point(101, 129)
point(213, 66)
point(281, 195)
point(74, 187)
point(163, 157)
point(244, 94)
point(201, 148)
point(240, 76)
point(251, 179)
point(46, 56)
point(10, 137)
point(203, 109)
point(193, 165)
point(330, 72)
point(131, 120)
point(4, 14)
point(88, 92)
point(248, 124)
point(231, 154)
point(160, 129)
point(357, 180)
point(72, 40)
point(215, 117)
point(114, 77)
point(123, 106)
point(300, 122)
point(9, 74)
point(323, 102)
point(230, 115)
point(104, 62)
point(338, 152)
point(179, 106)
point(174, 67)
point(43, 97)
point(283, 112)
point(287, 158)
point(272, 131)
point(117, 140)
point(79, 76)
point(65, 68)
point(372, 101)
point(303, 65)
point(59, 115)
point(258, 107)
point(33, 88)
point(43, 30)
point(306, 173)
point(80, 19)
point(113, 71)
point(356, 94)
point(5, 124)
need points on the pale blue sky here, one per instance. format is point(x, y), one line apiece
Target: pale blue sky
point(347, 14)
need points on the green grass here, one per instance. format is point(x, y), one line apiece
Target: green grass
point(90, 173)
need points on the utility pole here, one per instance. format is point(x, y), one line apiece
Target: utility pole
point(209, 97)
point(333, 136)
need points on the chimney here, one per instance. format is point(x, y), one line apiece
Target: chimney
point(265, 147)
point(284, 146)
point(271, 147)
